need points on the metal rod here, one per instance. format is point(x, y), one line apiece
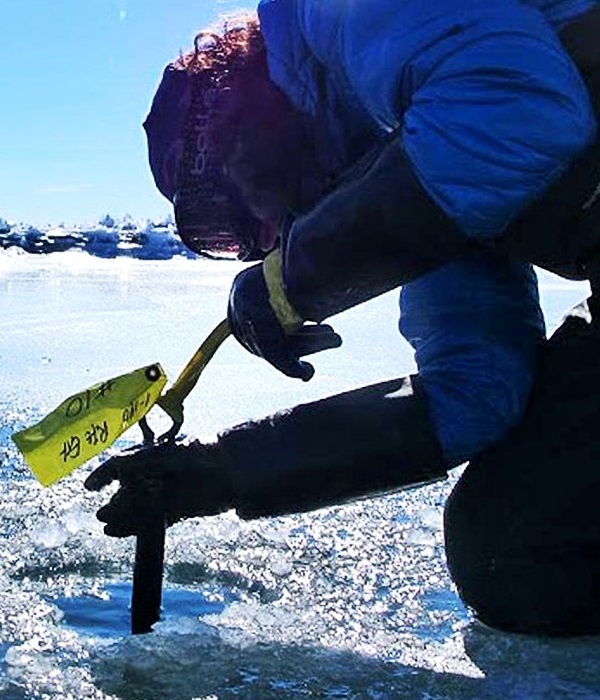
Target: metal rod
point(146, 594)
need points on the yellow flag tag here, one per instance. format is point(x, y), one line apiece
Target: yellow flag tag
point(87, 423)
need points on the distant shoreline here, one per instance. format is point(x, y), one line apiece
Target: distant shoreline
point(108, 239)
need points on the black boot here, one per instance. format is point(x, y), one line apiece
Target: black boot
point(361, 443)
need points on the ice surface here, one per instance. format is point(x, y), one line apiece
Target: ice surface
point(349, 602)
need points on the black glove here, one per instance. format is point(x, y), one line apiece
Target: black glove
point(185, 480)
point(263, 321)
point(364, 442)
point(378, 229)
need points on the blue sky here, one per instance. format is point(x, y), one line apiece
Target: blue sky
point(76, 81)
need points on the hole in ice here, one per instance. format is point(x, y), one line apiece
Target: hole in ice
point(109, 615)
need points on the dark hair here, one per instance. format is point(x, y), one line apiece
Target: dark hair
point(239, 43)
point(251, 116)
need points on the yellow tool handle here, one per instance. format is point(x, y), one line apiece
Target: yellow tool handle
point(172, 400)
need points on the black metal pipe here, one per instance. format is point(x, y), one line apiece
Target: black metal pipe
point(146, 594)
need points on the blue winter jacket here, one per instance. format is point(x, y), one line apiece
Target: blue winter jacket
point(490, 110)
point(436, 71)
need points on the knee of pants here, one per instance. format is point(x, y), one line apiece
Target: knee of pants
point(475, 326)
point(512, 582)
point(476, 398)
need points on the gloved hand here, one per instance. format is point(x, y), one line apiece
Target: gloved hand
point(185, 480)
point(264, 322)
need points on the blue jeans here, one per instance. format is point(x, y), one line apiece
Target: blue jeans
point(475, 326)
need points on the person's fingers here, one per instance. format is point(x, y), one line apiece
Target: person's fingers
point(103, 475)
point(117, 508)
point(114, 469)
point(312, 338)
point(121, 514)
point(119, 530)
point(284, 352)
point(307, 371)
point(287, 363)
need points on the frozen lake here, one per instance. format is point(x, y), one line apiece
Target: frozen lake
point(348, 602)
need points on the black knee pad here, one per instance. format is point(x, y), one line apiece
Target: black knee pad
point(522, 525)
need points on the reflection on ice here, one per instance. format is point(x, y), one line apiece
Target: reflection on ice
point(107, 614)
